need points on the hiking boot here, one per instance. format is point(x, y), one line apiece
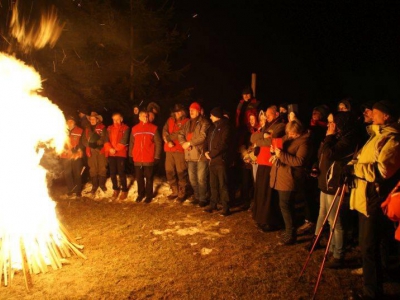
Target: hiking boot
point(174, 193)
point(139, 198)
point(115, 195)
point(95, 184)
point(202, 203)
point(334, 263)
point(194, 201)
point(123, 196)
point(307, 227)
point(225, 213)
point(102, 183)
point(172, 197)
point(181, 194)
point(148, 200)
point(210, 209)
point(287, 240)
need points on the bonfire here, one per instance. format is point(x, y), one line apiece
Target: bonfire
point(31, 237)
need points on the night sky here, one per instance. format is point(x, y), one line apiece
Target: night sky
point(307, 54)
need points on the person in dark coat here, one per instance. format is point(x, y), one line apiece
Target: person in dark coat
point(336, 150)
point(216, 148)
point(265, 210)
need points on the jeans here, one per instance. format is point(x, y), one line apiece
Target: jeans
point(288, 210)
point(198, 179)
point(337, 239)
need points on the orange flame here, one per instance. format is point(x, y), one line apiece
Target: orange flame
point(32, 35)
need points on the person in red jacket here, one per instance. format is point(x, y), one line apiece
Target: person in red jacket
point(71, 158)
point(145, 149)
point(116, 148)
point(247, 105)
point(94, 139)
point(175, 164)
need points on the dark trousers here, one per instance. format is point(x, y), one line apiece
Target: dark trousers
point(117, 167)
point(142, 173)
point(287, 206)
point(373, 241)
point(312, 195)
point(219, 186)
point(176, 170)
point(97, 164)
point(72, 174)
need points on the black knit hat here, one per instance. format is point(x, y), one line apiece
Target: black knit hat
point(323, 109)
point(247, 90)
point(177, 107)
point(217, 112)
point(387, 107)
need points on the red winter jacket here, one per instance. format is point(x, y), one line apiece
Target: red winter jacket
point(145, 144)
point(74, 145)
point(170, 134)
point(117, 139)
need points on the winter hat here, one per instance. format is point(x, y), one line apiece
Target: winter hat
point(344, 120)
point(96, 115)
point(346, 102)
point(247, 90)
point(177, 107)
point(195, 106)
point(387, 107)
point(284, 105)
point(323, 110)
point(367, 105)
point(217, 112)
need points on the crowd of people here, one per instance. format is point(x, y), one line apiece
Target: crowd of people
point(275, 159)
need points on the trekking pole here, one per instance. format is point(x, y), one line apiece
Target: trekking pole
point(329, 241)
point(319, 233)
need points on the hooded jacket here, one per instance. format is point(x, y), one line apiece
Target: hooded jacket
point(288, 172)
point(334, 153)
point(377, 163)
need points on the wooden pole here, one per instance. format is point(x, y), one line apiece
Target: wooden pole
point(132, 94)
point(253, 83)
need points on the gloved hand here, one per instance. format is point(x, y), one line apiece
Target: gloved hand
point(256, 150)
point(99, 142)
point(156, 161)
point(347, 174)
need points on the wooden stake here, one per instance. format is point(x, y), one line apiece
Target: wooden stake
point(24, 260)
point(253, 83)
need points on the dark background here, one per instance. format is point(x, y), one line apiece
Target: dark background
point(311, 53)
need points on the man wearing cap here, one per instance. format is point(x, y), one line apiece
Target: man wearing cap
point(175, 164)
point(71, 158)
point(192, 137)
point(375, 172)
point(145, 149)
point(94, 140)
point(216, 148)
point(116, 148)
